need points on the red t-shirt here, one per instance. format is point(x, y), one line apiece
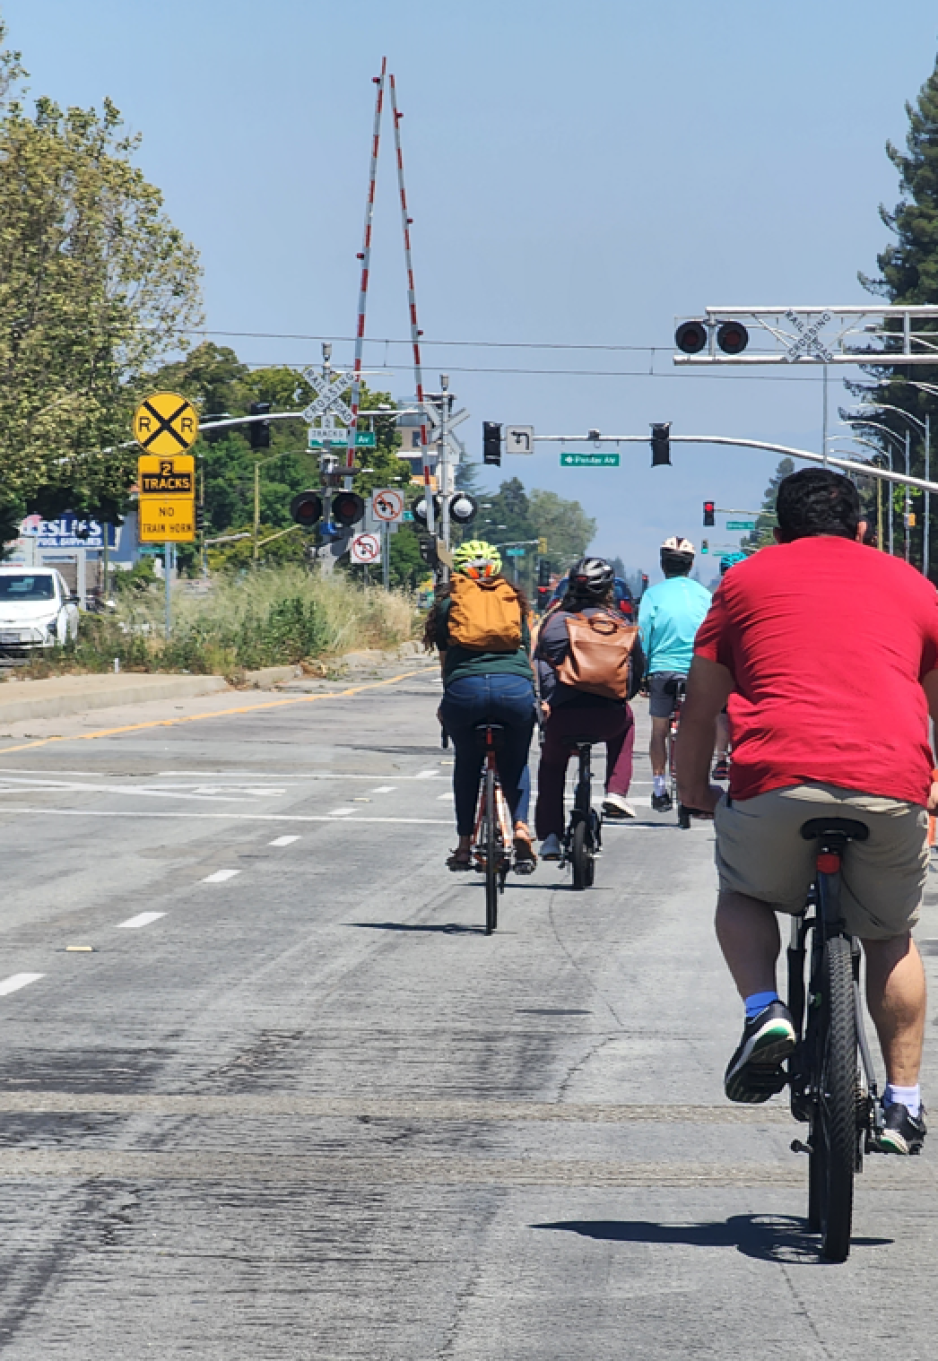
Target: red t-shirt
point(827, 641)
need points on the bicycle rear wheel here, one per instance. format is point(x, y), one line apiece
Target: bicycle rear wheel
point(492, 857)
point(581, 856)
point(834, 1131)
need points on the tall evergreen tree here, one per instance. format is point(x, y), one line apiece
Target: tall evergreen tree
point(908, 274)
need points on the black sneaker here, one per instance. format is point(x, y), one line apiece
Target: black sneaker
point(661, 803)
point(903, 1133)
point(754, 1073)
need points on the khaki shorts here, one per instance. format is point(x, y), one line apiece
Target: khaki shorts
point(760, 852)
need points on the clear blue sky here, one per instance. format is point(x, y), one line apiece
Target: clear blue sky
point(577, 174)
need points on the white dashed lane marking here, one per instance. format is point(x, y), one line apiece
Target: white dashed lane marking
point(142, 919)
point(283, 841)
point(384, 789)
point(340, 812)
point(220, 876)
point(427, 775)
point(17, 981)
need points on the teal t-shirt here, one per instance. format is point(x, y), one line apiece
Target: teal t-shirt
point(462, 661)
point(668, 619)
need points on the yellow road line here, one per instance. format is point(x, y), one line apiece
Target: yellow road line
point(218, 713)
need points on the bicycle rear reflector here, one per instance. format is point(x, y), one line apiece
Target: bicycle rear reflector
point(306, 508)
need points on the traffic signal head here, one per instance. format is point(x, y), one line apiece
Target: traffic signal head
point(644, 582)
point(428, 550)
point(660, 444)
point(199, 517)
point(543, 573)
point(347, 508)
point(709, 512)
point(259, 431)
point(306, 508)
point(492, 443)
point(691, 337)
point(732, 337)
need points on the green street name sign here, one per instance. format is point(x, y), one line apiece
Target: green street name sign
point(589, 460)
point(514, 552)
point(364, 439)
point(740, 524)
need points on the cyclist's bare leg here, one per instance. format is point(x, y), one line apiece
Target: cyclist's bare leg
point(747, 930)
point(895, 995)
point(658, 747)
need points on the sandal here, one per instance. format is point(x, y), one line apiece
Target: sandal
point(525, 855)
point(459, 860)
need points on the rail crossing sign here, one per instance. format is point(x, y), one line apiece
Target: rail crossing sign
point(166, 510)
point(365, 548)
point(165, 423)
point(387, 507)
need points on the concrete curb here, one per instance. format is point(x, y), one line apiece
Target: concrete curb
point(60, 696)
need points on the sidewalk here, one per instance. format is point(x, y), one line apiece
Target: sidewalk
point(62, 695)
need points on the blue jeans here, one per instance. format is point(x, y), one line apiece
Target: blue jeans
point(496, 699)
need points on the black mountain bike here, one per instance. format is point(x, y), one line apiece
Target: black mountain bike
point(582, 840)
point(833, 1085)
point(677, 688)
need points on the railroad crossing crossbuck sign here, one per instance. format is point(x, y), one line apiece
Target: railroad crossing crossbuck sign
point(165, 423)
point(166, 508)
point(388, 506)
point(366, 548)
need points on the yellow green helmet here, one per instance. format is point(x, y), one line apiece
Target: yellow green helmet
point(477, 559)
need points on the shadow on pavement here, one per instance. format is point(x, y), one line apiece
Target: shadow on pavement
point(770, 1238)
point(444, 929)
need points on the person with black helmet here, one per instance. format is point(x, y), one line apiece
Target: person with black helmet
point(572, 712)
point(669, 616)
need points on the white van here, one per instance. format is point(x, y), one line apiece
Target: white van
point(36, 609)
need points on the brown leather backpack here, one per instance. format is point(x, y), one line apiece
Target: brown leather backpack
point(598, 659)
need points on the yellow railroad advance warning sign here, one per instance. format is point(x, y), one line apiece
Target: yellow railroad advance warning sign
point(166, 423)
point(165, 426)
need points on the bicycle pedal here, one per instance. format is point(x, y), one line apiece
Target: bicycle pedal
point(799, 1146)
point(524, 867)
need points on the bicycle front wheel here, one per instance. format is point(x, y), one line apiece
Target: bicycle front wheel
point(492, 857)
point(834, 1132)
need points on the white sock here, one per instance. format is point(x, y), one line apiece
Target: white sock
point(910, 1097)
point(658, 783)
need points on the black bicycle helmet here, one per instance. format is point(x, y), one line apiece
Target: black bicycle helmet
point(591, 577)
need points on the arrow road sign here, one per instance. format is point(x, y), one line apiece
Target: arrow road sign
point(387, 506)
point(519, 439)
point(366, 548)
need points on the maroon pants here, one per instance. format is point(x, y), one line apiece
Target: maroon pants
point(613, 725)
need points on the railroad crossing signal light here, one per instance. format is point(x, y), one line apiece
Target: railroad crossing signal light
point(732, 337)
point(347, 508)
point(709, 515)
point(306, 508)
point(419, 509)
point(463, 508)
point(492, 443)
point(691, 337)
point(660, 444)
point(259, 431)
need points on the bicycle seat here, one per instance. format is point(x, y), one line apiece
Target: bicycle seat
point(496, 729)
point(820, 829)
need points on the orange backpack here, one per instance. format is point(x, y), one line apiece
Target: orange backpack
point(484, 615)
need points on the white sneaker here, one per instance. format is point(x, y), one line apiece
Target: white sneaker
point(616, 806)
point(550, 847)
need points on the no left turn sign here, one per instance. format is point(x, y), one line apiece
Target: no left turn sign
point(365, 548)
point(388, 506)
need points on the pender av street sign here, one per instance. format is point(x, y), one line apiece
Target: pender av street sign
point(568, 460)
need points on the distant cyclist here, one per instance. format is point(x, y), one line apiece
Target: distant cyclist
point(479, 625)
point(829, 717)
point(574, 712)
point(668, 618)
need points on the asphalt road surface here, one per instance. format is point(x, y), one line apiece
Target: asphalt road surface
point(292, 1103)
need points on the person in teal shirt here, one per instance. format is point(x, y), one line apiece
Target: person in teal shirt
point(668, 619)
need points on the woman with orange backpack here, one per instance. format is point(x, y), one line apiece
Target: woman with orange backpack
point(479, 626)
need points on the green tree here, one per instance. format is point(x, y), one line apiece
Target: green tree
point(510, 514)
point(908, 274)
point(564, 524)
point(96, 285)
point(766, 521)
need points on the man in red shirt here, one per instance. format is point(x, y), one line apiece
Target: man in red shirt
point(827, 652)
